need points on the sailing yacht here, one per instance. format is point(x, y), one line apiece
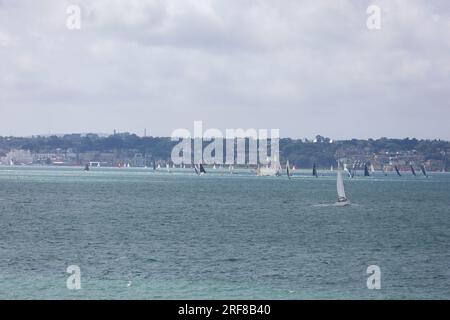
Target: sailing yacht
point(199, 169)
point(342, 198)
point(396, 170)
point(288, 170)
point(412, 170)
point(315, 171)
point(366, 171)
point(273, 168)
point(422, 167)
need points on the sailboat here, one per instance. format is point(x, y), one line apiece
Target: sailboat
point(196, 169)
point(86, 167)
point(202, 170)
point(366, 171)
point(342, 198)
point(422, 167)
point(288, 170)
point(372, 168)
point(273, 168)
point(230, 169)
point(347, 171)
point(412, 170)
point(315, 171)
point(396, 170)
point(331, 168)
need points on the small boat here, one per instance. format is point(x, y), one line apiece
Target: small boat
point(86, 168)
point(398, 172)
point(314, 172)
point(366, 171)
point(412, 170)
point(342, 198)
point(422, 167)
point(347, 171)
point(288, 170)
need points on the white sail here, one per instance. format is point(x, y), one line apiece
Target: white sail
point(340, 187)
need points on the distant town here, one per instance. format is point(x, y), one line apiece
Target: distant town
point(130, 150)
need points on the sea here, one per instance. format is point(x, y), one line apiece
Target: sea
point(135, 233)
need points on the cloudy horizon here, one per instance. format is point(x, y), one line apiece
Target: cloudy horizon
point(305, 67)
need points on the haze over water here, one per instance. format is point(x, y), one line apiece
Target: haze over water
point(137, 234)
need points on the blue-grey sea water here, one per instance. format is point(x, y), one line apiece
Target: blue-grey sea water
point(139, 234)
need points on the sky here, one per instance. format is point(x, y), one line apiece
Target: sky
point(304, 67)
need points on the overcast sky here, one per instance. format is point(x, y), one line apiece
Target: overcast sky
point(305, 67)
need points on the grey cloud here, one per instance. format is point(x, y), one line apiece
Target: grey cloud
point(305, 67)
